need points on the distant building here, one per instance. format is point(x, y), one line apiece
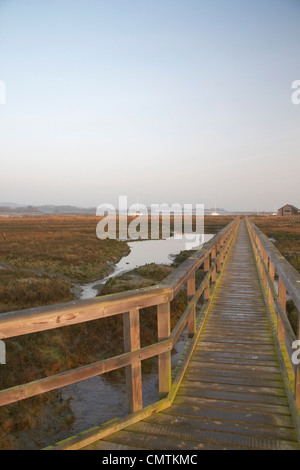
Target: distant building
point(288, 209)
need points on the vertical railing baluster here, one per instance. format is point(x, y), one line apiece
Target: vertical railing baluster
point(266, 262)
point(214, 273)
point(282, 300)
point(223, 241)
point(219, 261)
point(131, 332)
point(164, 359)
point(272, 276)
point(191, 289)
point(206, 269)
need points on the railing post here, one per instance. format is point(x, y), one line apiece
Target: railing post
point(260, 263)
point(222, 253)
point(272, 276)
point(282, 300)
point(191, 289)
point(206, 269)
point(219, 261)
point(266, 262)
point(131, 331)
point(164, 359)
point(257, 250)
point(282, 294)
point(214, 273)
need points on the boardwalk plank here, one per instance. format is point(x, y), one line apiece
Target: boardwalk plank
point(161, 442)
point(232, 405)
point(188, 391)
point(212, 437)
point(232, 427)
point(232, 395)
point(233, 415)
point(216, 384)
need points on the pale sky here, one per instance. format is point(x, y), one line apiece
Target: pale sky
point(167, 101)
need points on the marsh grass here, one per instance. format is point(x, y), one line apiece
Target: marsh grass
point(286, 232)
point(42, 258)
point(20, 289)
point(64, 246)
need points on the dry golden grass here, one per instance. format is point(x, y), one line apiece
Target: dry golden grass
point(286, 232)
point(44, 257)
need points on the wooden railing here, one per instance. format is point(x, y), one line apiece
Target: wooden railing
point(275, 269)
point(129, 303)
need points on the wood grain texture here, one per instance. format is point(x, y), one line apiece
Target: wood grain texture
point(232, 395)
point(131, 330)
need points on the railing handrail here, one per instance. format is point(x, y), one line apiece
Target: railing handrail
point(271, 262)
point(37, 319)
point(288, 274)
point(128, 304)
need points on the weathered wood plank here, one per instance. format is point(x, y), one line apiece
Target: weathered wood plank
point(103, 445)
point(251, 368)
point(226, 426)
point(71, 313)
point(232, 405)
point(131, 331)
point(164, 360)
point(187, 434)
point(264, 356)
point(232, 395)
point(216, 412)
point(255, 387)
point(191, 289)
point(242, 372)
point(237, 381)
point(158, 442)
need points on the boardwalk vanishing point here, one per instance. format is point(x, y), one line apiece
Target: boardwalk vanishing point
point(235, 386)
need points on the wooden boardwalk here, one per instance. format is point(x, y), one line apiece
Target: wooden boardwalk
point(232, 395)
